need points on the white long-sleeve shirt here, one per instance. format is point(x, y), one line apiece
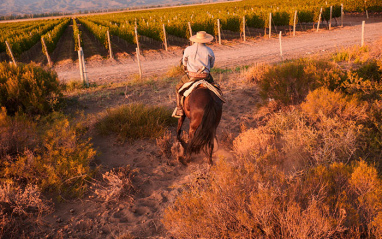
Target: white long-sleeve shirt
point(198, 55)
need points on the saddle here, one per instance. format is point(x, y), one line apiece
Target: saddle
point(188, 87)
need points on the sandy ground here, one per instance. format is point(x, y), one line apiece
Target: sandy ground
point(159, 180)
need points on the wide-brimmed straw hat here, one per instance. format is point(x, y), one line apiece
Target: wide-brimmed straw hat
point(201, 37)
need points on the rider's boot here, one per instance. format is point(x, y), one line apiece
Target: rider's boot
point(179, 111)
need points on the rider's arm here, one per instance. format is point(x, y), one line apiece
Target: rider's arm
point(185, 57)
point(211, 58)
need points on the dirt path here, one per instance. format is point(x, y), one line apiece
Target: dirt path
point(233, 53)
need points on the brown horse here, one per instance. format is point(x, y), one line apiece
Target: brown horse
point(204, 109)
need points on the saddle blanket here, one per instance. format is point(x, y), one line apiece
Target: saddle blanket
point(188, 87)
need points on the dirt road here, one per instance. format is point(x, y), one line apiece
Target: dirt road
point(233, 53)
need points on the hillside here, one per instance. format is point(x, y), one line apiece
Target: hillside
point(20, 7)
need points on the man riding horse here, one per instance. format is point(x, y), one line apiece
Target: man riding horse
point(197, 61)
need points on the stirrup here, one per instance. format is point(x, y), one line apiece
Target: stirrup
point(175, 115)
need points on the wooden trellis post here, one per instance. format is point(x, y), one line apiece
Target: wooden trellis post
point(79, 41)
point(165, 38)
point(330, 18)
point(10, 53)
point(294, 23)
point(281, 48)
point(190, 29)
point(270, 25)
point(219, 33)
point(342, 15)
point(81, 63)
point(46, 52)
point(139, 63)
point(244, 28)
point(136, 38)
point(319, 20)
point(363, 33)
point(110, 50)
point(84, 68)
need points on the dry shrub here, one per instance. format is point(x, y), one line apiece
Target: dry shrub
point(255, 73)
point(20, 207)
point(325, 103)
point(226, 139)
point(250, 200)
point(367, 187)
point(254, 142)
point(360, 122)
point(16, 134)
point(118, 185)
point(293, 142)
point(165, 143)
point(136, 121)
point(175, 71)
point(376, 226)
point(315, 221)
point(213, 204)
point(376, 49)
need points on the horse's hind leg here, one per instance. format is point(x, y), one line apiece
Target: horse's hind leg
point(191, 133)
point(178, 130)
point(211, 150)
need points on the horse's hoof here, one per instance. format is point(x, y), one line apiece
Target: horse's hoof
point(182, 161)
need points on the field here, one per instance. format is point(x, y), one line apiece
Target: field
point(130, 185)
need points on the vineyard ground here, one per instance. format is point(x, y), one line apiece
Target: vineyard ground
point(230, 53)
point(160, 180)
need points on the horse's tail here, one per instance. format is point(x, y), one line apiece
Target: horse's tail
point(205, 134)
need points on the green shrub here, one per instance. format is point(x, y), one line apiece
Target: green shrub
point(73, 85)
point(27, 88)
point(59, 163)
point(136, 121)
point(290, 82)
point(371, 70)
point(355, 53)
